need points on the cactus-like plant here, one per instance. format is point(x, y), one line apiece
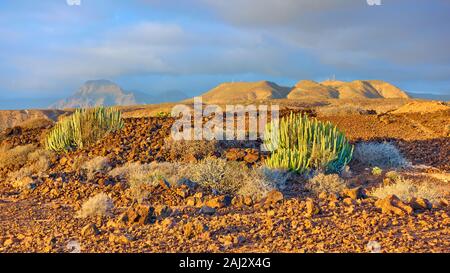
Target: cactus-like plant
point(299, 143)
point(82, 128)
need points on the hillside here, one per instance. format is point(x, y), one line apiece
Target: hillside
point(9, 119)
point(303, 90)
point(245, 91)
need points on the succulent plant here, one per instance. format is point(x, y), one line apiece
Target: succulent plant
point(301, 144)
point(83, 127)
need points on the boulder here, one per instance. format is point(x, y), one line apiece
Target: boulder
point(392, 204)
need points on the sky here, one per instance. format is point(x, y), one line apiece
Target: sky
point(49, 48)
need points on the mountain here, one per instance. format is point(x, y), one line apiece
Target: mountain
point(304, 90)
point(310, 89)
point(106, 93)
point(346, 90)
point(245, 91)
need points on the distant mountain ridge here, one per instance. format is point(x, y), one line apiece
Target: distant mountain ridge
point(304, 90)
point(106, 93)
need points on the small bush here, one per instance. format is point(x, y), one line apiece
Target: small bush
point(392, 175)
point(141, 177)
point(377, 171)
point(16, 157)
point(330, 183)
point(217, 174)
point(383, 155)
point(98, 205)
point(83, 128)
point(200, 149)
point(163, 114)
point(406, 189)
point(38, 163)
point(97, 164)
point(260, 181)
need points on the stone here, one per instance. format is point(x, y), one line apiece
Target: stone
point(311, 208)
point(193, 228)
point(273, 197)
point(182, 191)
point(235, 154)
point(354, 193)
point(349, 201)
point(162, 211)
point(120, 238)
point(219, 202)
point(251, 158)
point(420, 203)
point(139, 214)
point(207, 210)
point(90, 230)
point(168, 223)
point(392, 204)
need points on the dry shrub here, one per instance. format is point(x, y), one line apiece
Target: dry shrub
point(383, 155)
point(218, 174)
point(38, 162)
point(141, 177)
point(330, 183)
point(200, 149)
point(406, 189)
point(16, 157)
point(98, 205)
point(232, 177)
point(260, 181)
point(97, 164)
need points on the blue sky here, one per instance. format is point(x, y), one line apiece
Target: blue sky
point(49, 48)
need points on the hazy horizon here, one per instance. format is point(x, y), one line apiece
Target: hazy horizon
point(48, 50)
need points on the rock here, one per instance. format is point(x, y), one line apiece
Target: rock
point(273, 197)
point(219, 201)
point(162, 211)
point(63, 161)
point(168, 223)
point(392, 204)
point(120, 238)
point(349, 201)
point(251, 158)
point(139, 214)
point(311, 208)
point(420, 204)
point(323, 195)
point(354, 193)
point(182, 191)
point(207, 210)
point(193, 228)
point(190, 184)
point(90, 230)
point(164, 184)
point(8, 242)
point(235, 154)
point(194, 202)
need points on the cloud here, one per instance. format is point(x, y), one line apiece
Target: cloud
point(401, 41)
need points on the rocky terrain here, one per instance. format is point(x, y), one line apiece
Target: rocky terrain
point(51, 211)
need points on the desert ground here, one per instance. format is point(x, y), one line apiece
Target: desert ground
point(135, 190)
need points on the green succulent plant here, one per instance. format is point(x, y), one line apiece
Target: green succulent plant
point(301, 144)
point(82, 128)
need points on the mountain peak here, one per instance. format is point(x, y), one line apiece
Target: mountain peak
point(97, 93)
